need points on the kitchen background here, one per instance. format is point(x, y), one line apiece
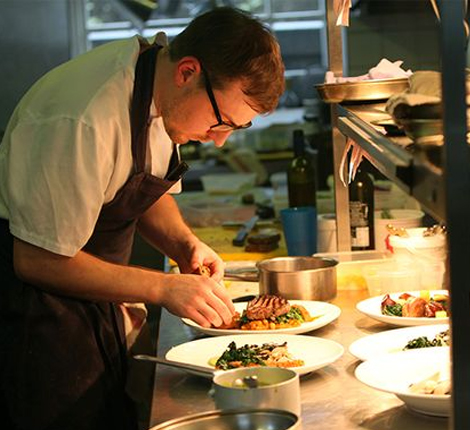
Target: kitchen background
point(36, 35)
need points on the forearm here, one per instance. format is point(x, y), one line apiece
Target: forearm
point(87, 277)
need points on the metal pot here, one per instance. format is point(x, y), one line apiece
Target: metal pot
point(298, 278)
point(274, 388)
point(246, 419)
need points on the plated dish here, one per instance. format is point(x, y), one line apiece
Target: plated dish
point(313, 351)
point(395, 373)
point(323, 313)
point(372, 308)
point(391, 341)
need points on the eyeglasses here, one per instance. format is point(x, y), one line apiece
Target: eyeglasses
point(221, 124)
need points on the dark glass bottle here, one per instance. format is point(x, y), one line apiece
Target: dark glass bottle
point(301, 185)
point(361, 211)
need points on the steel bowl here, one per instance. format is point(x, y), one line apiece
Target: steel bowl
point(236, 419)
point(298, 278)
point(274, 388)
point(370, 89)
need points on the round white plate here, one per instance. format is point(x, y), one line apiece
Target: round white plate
point(371, 308)
point(314, 351)
point(393, 373)
point(323, 312)
point(389, 341)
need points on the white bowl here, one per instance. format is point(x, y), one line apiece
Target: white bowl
point(394, 373)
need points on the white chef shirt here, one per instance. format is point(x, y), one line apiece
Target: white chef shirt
point(67, 148)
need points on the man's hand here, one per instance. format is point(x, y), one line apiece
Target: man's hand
point(199, 254)
point(199, 298)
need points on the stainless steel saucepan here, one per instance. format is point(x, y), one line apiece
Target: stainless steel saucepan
point(298, 278)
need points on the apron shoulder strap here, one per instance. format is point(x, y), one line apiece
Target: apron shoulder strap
point(141, 101)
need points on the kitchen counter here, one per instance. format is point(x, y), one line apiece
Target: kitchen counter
point(332, 398)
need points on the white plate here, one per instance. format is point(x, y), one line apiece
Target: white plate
point(389, 341)
point(314, 351)
point(323, 312)
point(371, 308)
point(393, 373)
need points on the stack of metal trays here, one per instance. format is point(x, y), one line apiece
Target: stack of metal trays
point(366, 90)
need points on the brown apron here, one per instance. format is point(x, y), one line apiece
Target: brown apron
point(62, 360)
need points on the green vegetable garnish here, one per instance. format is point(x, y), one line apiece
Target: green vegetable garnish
point(247, 354)
point(393, 310)
point(293, 314)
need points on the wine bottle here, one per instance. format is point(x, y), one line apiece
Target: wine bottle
point(361, 211)
point(301, 184)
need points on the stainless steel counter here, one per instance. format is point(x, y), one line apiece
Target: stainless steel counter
point(332, 398)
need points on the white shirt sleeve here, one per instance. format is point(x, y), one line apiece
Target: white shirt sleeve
point(57, 179)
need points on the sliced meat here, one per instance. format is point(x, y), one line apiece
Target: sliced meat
point(387, 301)
point(267, 307)
point(415, 307)
point(432, 308)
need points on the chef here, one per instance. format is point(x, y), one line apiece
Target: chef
point(90, 155)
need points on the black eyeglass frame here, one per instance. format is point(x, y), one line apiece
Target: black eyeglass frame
point(221, 124)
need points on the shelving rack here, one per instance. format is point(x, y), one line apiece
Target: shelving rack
point(438, 178)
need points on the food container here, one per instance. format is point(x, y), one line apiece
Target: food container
point(326, 233)
point(391, 277)
point(428, 253)
point(245, 419)
point(399, 218)
point(277, 388)
point(298, 278)
point(351, 264)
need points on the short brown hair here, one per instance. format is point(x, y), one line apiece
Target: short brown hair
point(233, 45)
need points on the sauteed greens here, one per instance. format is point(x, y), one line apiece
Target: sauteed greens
point(441, 339)
point(268, 354)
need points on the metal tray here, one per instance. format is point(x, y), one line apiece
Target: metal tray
point(368, 90)
point(390, 127)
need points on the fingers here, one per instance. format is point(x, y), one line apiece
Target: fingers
point(199, 298)
point(222, 295)
point(217, 270)
point(205, 317)
point(214, 309)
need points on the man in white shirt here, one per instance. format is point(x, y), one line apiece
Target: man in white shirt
point(89, 156)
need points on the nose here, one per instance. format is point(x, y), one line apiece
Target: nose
point(220, 137)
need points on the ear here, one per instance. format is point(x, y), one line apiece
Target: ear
point(187, 70)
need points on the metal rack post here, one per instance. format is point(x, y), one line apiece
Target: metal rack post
point(335, 64)
point(457, 185)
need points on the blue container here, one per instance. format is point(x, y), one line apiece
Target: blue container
point(300, 230)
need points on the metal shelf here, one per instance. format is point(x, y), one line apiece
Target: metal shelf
point(418, 171)
point(442, 187)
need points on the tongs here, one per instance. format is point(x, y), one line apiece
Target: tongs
point(349, 170)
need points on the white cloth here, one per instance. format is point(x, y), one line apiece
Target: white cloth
point(67, 149)
point(385, 69)
point(342, 8)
